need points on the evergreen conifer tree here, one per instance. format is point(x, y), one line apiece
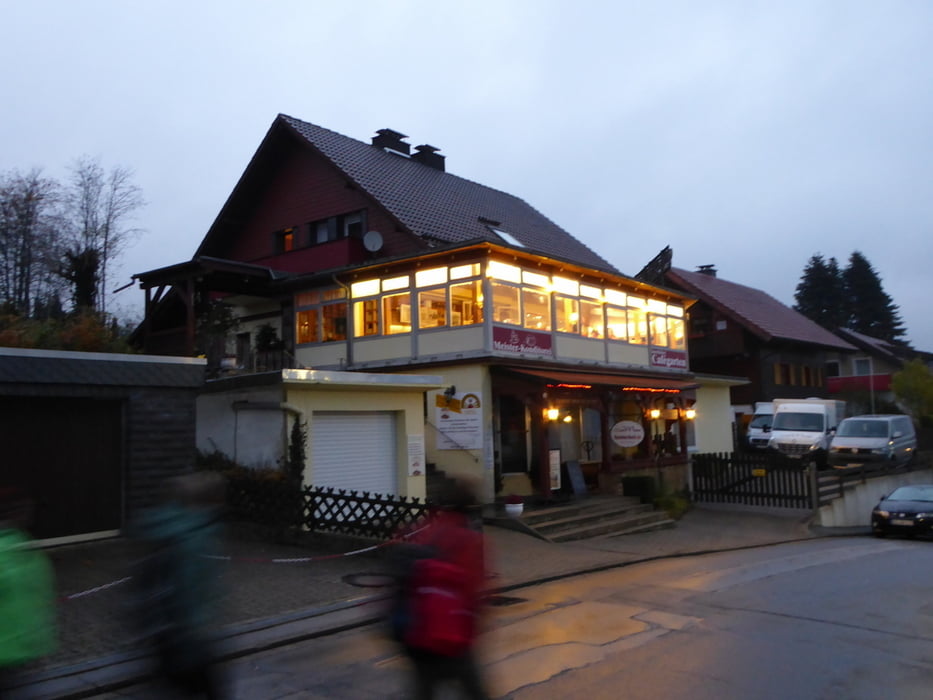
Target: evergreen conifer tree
point(872, 311)
point(820, 294)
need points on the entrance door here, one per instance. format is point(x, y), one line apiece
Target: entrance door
point(513, 435)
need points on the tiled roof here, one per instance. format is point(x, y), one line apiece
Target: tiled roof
point(757, 311)
point(875, 345)
point(436, 204)
point(19, 366)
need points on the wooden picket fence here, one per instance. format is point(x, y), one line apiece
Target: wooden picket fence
point(759, 479)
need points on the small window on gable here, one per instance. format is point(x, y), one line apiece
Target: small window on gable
point(285, 240)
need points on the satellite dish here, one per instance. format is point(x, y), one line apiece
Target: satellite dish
point(372, 241)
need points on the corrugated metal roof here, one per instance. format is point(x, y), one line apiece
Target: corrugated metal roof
point(437, 204)
point(759, 312)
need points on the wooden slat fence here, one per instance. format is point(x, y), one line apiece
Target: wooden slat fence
point(765, 479)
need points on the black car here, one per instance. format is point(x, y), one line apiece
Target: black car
point(907, 510)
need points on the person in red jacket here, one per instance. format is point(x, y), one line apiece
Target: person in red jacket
point(440, 595)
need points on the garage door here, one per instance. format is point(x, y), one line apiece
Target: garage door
point(354, 451)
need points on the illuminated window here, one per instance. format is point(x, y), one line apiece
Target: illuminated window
point(535, 279)
point(593, 322)
point(565, 286)
point(306, 298)
point(675, 330)
point(366, 318)
point(466, 303)
point(637, 326)
point(537, 308)
point(591, 292)
point(334, 322)
point(616, 323)
point(429, 278)
point(566, 314)
point(306, 326)
point(285, 240)
point(432, 308)
point(506, 304)
point(461, 271)
point(615, 297)
point(659, 331)
point(393, 283)
point(503, 271)
point(364, 289)
point(396, 313)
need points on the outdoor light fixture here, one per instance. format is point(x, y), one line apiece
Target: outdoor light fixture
point(690, 413)
point(568, 418)
point(654, 413)
point(552, 413)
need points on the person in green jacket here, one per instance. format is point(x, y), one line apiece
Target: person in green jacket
point(27, 592)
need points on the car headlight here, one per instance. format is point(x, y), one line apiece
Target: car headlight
point(880, 513)
point(814, 446)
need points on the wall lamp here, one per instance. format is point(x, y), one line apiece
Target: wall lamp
point(552, 413)
point(654, 413)
point(690, 413)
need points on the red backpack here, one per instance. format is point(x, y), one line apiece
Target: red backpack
point(441, 619)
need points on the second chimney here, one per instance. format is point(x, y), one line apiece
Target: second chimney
point(707, 270)
point(428, 155)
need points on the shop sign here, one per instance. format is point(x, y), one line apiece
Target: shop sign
point(520, 341)
point(627, 433)
point(669, 359)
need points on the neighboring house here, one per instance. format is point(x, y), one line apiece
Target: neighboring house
point(92, 436)
point(353, 257)
point(863, 378)
point(740, 331)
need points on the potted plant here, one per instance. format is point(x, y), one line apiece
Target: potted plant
point(514, 505)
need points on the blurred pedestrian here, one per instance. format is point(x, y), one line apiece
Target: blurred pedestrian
point(441, 569)
point(178, 587)
point(27, 592)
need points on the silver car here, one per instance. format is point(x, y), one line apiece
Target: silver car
point(873, 439)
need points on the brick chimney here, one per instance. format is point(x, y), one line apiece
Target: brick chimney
point(428, 155)
point(392, 141)
point(707, 270)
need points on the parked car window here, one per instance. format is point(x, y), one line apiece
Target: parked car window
point(912, 493)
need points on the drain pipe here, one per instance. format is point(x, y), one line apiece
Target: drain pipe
point(349, 339)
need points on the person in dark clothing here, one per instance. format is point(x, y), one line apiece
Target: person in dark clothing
point(178, 586)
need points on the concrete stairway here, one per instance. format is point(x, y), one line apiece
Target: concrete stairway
point(600, 516)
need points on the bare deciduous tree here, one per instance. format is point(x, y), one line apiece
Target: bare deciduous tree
point(28, 241)
point(100, 205)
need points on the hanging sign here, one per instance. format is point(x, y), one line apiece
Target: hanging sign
point(627, 433)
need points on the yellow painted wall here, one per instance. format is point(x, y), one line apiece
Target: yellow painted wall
point(406, 404)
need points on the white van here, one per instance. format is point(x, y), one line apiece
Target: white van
point(873, 438)
point(759, 429)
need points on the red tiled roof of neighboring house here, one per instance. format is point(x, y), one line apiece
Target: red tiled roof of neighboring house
point(760, 313)
point(436, 204)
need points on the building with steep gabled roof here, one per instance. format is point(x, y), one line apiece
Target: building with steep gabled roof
point(336, 255)
point(738, 330)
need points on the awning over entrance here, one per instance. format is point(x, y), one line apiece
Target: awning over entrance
point(619, 380)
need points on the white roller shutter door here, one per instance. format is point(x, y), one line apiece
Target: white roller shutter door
point(355, 451)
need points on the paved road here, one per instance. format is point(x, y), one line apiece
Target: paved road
point(801, 620)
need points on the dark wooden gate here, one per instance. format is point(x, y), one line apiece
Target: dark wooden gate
point(67, 454)
point(765, 479)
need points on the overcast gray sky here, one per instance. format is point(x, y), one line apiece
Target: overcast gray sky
point(748, 135)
